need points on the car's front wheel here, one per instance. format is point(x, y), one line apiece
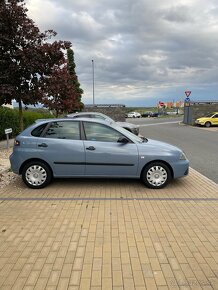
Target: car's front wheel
point(207, 124)
point(36, 174)
point(156, 175)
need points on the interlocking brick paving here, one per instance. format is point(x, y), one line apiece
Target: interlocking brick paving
point(127, 237)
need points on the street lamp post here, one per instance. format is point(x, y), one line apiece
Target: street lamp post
point(93, 83)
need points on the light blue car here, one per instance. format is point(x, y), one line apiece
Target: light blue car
point(93, 148)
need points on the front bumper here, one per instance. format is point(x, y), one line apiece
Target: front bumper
point(180, 168)
point(199, 123)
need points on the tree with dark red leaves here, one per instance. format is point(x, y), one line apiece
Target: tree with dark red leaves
point(27, 59)
point(59, 95)
point(62, 88)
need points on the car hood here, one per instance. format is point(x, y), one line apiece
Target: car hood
point(203, 119)
point(155, 146)
point(127, 125)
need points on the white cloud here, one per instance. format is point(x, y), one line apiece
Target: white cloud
point(141, 48)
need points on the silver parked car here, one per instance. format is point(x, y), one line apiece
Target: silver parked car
point(92, 148)
point(128, 126)
point(134, 115)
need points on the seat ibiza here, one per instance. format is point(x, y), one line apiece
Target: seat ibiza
point(66, 148)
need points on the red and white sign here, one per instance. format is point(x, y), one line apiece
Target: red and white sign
point(161, 104)
point(188, 93)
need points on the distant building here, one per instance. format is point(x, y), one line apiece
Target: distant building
point(178, 104)
point(8, 106)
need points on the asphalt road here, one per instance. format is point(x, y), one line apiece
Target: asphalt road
point(199, 144)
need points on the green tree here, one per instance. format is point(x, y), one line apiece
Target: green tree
point(74, 80)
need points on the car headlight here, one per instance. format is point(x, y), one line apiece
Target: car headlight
point(182, 156)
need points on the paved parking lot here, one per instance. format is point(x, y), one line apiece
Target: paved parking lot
point(110, 234)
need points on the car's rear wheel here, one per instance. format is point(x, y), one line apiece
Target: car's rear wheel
point(156, 175)
point(36, 174)
point(207, 124)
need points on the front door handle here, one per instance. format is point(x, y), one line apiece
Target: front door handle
point(43, 145)
point(91, 148)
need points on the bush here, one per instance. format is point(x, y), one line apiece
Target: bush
point(9, 118)
point(29, 117)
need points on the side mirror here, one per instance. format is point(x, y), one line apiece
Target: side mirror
point(123, 140)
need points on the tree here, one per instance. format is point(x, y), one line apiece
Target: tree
point(59, 95)
point(63, 94)
point(26, 57)
point(75, 82)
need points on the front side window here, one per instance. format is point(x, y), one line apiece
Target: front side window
point(100, 132)
point(63, 130)
point(215, 116)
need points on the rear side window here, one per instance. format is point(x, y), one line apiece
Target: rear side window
point(37, 132)
point(63, 130)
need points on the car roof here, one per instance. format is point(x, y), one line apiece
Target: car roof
point(85, 113)
point(94, 120)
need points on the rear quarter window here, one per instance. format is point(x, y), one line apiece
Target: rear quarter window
point(37, 132)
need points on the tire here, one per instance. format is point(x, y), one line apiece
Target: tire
point(42, 172)
point(162, 178)
point(207, 124)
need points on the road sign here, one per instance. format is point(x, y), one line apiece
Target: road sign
point(187, 100)
point(161, 104)
point(187, 93)
point(8, 131)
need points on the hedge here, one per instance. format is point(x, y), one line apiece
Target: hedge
point(9, 118)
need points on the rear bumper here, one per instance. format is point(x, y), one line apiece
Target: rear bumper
point(15, 163)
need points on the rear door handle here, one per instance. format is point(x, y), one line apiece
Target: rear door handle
point(91, 148)
point(43, 145)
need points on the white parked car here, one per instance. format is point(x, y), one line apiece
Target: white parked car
point(134, 115)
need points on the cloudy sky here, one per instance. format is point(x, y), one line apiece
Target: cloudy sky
point(143, 50)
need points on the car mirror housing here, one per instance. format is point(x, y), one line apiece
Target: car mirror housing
point(123, 140)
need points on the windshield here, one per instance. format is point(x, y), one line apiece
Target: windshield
point(210, 115)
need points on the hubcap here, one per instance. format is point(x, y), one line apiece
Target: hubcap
point(157, 175)
point(36, 175)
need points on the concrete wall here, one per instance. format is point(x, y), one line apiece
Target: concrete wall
point(116, 113)
point(201, 110)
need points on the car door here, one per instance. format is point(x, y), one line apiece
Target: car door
point(104, 155)
point(62, 147)
point(215, 119)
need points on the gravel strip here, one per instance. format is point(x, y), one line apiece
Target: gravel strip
point(6, 176)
